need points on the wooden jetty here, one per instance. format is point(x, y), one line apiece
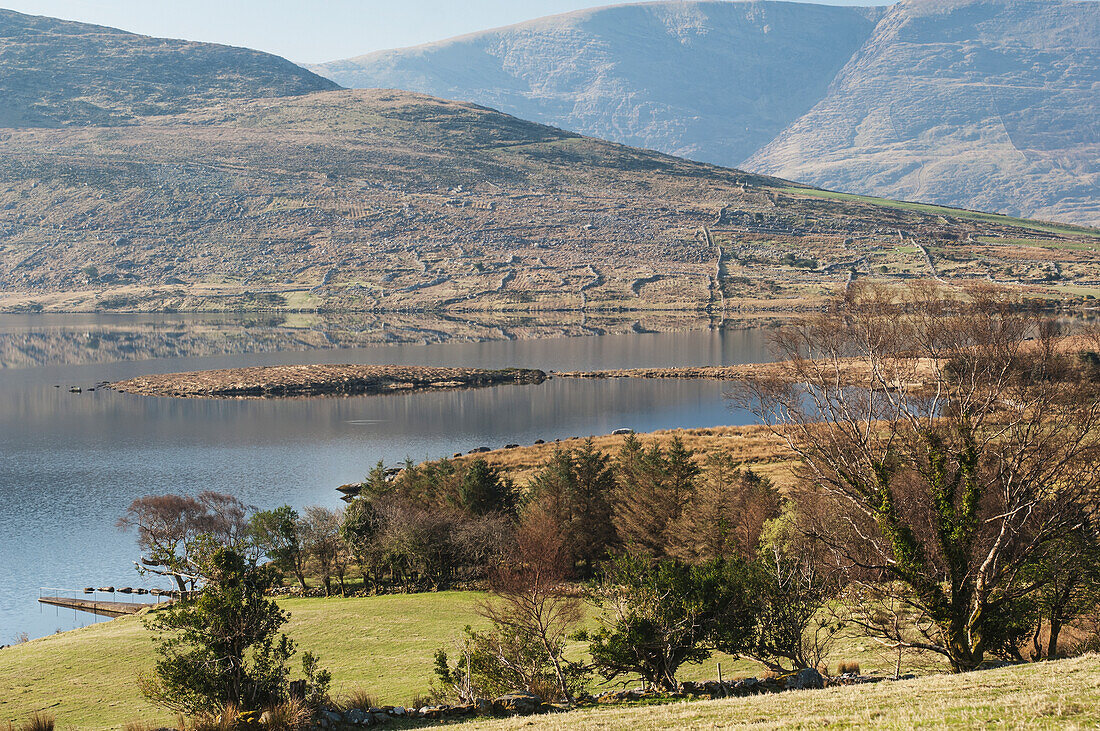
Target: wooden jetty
point(95, 606)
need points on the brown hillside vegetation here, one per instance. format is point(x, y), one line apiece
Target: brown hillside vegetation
point(753, 446)
point(386, 200)
point(60, 73)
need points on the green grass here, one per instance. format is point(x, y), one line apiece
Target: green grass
point(1067, 229)
point(1077, 290)
point(383, 644)
point(86, 677)
point(1057, 695)
point(1044, 243)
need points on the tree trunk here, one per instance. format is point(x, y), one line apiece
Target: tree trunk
point(961, 652)
point(558, 672)
point(1052, 643)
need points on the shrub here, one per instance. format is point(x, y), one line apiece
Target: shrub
point(38, 722)
point(504, 660)
point(845, 667)
point(222, 649)
point(314, 688)
point(661, 614)
point(794, 628)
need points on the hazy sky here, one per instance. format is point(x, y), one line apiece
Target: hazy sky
point(310, 31)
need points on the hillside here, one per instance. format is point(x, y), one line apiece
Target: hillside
point(712, 81)
point(991, 104)
point(983, 104)
point(384, 200)
point(56, 72)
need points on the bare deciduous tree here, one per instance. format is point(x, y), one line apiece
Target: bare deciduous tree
point(175, 532)
point(945, 440)
point(322, 542)
point(530, 597)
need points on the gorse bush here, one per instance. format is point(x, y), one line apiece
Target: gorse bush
point(223, 649)
point(660, 614)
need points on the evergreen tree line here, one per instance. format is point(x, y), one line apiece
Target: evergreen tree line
point(445, 523)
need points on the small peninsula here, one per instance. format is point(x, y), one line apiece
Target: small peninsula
point(290, 381)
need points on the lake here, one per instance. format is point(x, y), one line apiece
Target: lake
point(71, 463)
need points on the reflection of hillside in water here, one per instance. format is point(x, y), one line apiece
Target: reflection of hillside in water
point(38, 340)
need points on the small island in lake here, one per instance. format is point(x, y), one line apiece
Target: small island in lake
point(320, 380)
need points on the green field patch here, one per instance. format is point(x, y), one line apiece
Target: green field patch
point(1056, 228)
point(1043, 243)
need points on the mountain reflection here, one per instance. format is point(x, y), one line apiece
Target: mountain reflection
point(36, 340)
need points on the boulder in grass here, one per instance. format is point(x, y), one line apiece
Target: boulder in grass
point(805, 679)
point(519, 704)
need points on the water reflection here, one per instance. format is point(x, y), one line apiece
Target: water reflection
point(71, 463)
point(36, 340)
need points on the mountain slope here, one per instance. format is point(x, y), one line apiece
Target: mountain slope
point(713, 81)
point(984, 104)
point(993, 104)
point(393, 201)
point(56, 72)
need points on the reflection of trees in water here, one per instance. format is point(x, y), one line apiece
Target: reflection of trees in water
point(79, 339)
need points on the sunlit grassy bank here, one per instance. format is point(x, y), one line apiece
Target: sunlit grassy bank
point(382, 644)
point(86, 678)
point(1055, 695)
point(385, 645)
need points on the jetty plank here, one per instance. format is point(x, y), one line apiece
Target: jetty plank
point(102, 608)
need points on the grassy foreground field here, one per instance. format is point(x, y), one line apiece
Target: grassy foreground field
point(86, 677)
point(385, 644)
point(1062, 695)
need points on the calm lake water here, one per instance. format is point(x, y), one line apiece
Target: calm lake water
point(71, 463)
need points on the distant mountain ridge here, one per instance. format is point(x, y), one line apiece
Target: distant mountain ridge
point(991, 104)
point(713, 81)
point(58, 72)
point(146, 174)
point(984, 104)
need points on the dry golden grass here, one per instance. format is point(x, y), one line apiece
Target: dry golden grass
point(1052, 695)
point(754, 446)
